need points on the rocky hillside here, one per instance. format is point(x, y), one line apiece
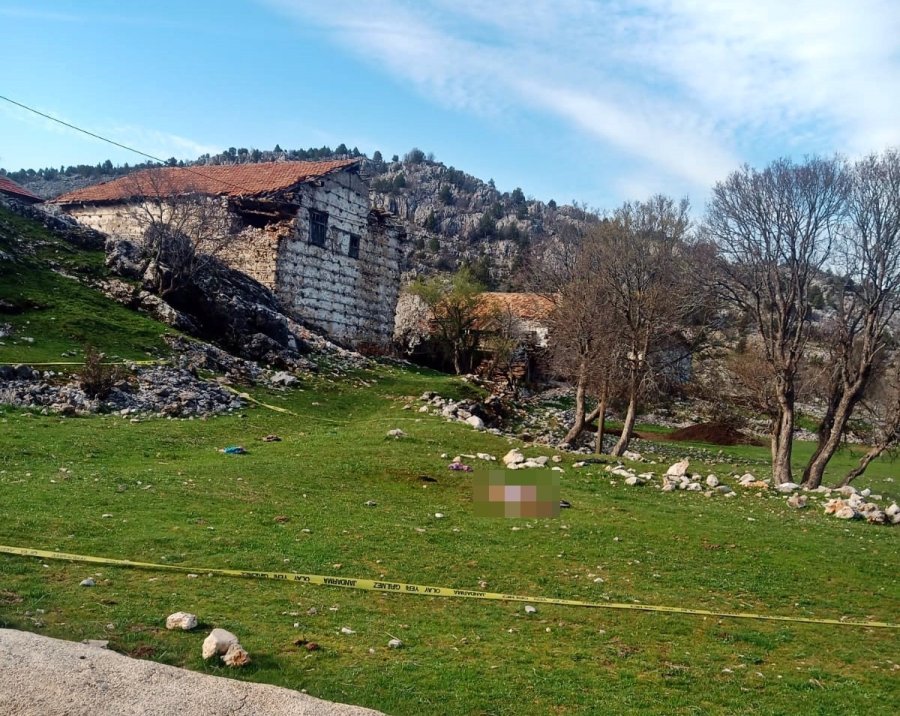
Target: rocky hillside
point(452, 218)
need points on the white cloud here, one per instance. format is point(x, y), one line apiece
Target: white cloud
point(685, 88)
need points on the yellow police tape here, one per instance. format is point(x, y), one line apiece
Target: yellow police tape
point(373, 585)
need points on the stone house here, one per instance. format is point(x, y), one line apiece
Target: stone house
point(8, 188)
point(305, 230)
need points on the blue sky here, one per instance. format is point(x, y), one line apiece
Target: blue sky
point(597, 101)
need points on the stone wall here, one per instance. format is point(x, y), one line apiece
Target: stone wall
point(352, 299)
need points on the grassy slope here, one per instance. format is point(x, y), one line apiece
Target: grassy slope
point(58, 312)
point(172, 497)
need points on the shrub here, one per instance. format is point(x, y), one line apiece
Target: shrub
point(97, 379)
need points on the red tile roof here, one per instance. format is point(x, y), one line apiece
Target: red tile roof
point(527, 306)
point(7, 186)
point(230, 180)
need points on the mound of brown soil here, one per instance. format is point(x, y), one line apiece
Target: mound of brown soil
point(715, 433)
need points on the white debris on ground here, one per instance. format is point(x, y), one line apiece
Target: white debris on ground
point(852, 505)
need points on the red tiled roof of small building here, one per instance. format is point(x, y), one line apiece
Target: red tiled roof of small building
point(7, 186)
point(527, 306)
point(217, 180)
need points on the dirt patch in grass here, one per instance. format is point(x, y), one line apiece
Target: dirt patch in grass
point(714, 433)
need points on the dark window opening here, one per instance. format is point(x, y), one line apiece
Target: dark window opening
point(318, 226)
point(353, 251)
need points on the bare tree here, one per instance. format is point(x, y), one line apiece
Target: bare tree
point(883, 414)
point(629, 292)
point(867, 261)
point(775, 230)
point(582, 344)
point(642, 260)
point(182, 229)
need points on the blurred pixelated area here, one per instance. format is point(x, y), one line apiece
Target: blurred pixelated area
point(509, 493)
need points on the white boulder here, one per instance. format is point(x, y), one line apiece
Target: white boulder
point(475, 422)
point(218, 642)
point(513, 457)
point(678, 469)
point(181, 620)
point(236, 656)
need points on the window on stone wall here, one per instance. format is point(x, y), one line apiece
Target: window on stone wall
point(353, 251)
point(318, 226)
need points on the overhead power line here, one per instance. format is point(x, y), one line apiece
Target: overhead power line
point(191, 170)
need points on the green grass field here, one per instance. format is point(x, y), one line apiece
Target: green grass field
point(159, 491)
point(173, 498)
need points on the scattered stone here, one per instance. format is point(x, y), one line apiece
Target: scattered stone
point(634, 480)
point(787, 487)
point(513, 457)
point(798, 502)
point(281, 519)
point(236, 656)
point(724, 490)
point(439, 515)
point(218, 642)
point(678, 469)
point(347, 630)
point(371, 503)
point(475, 422)
point(485, 456)
point(396, 433)
point(694, 487)
point(395, 644)
point(89, 582)
point(846, 513)
point(530, 609)
point(271, 439)
point(565, 504)
point(712, 481)
point(283, 379)
point(632, 456)
point(181, 620)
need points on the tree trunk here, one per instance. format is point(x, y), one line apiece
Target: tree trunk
point(579, 423)
point(622, 445)
point(782, 444)
point(863, 464)
point(601, 424)
point(815, 469)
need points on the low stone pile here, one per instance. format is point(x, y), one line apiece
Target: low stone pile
point(163, 391)
point(853, 503)
point(854, 506)
point(470, 412)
